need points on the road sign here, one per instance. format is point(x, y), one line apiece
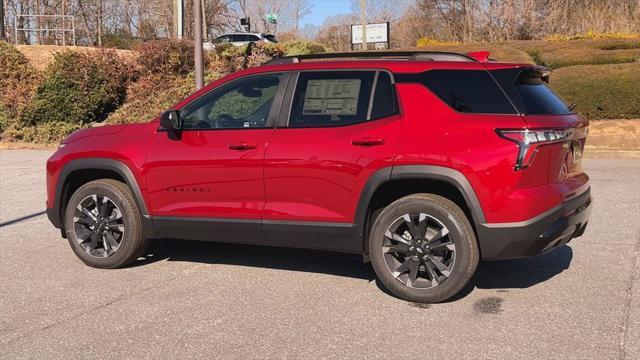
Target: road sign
point(272, 18)
point(376, 33)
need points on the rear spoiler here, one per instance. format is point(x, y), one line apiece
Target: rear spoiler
point(542, 71)
point(482, 56)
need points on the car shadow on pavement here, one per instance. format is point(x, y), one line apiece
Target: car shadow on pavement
point(518, 273)
point(499, 275)
point(280, 258)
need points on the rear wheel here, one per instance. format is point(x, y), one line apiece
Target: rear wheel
point(423, 248)
point(103, 224)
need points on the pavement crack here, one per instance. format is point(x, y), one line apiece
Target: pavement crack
point(108, 303)
point(626, 317)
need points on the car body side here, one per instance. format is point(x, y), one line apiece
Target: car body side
point(435, 149)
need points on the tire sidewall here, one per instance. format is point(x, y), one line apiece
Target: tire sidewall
point(128, 244)
point(460, 233)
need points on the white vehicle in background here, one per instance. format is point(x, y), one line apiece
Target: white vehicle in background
point(239, 39)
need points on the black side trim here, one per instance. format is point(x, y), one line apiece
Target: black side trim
point(244, 231)
point(55, 214)
point(402, 172)
point(54, 217)
point(340, 237)
point(373, 183)
point(309, 235)
point(447, 175)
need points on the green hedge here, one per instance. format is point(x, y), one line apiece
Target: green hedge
point(557, 54)
point(18, 80)
point(601, 91)
point(79, 89)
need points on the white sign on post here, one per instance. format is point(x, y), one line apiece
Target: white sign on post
point(376, 33)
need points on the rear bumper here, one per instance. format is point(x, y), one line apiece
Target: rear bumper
point(537, 235)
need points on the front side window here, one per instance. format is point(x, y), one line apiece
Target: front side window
point(242, 104)
point(331, 98)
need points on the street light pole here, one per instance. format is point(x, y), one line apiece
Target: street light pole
point(197, 39)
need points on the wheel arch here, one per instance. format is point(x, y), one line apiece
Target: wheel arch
point(79, 172)
point(389, 184)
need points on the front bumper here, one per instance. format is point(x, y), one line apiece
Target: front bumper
point(538, 235)
point(54, 217)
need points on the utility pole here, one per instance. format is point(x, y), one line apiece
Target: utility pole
point(205, 33)
point(363, 15)
point(99, 23)
point(3, 35)
point(197, 42)
point(64, 12)
point(178, 18)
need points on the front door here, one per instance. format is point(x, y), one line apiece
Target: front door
point(208, 184)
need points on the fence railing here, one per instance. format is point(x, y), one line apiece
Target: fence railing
point(66, 19)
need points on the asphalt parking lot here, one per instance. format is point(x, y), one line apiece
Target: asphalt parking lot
point(207, 300)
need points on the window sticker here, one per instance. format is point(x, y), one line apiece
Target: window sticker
point(331, 97)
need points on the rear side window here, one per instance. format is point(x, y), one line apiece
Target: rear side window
point(530, 93)
point(466, 91)
point(331, 98)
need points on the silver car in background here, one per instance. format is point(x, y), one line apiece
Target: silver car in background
point(239, 39)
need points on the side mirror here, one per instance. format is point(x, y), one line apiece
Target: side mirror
point(171, 121)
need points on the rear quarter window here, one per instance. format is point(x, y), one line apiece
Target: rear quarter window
point(466, 91)
point(530, 93)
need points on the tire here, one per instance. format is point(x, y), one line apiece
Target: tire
point(446, 252)
point(113, 242)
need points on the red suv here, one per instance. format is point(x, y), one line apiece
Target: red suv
point(423, 163)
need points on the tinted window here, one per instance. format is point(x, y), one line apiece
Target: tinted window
point(243, 37)
point(271, 38)
point(243, 104)
point(223, 38)
point(529, 92)
point(384, 97)
point(467, 91)
point(326, 98)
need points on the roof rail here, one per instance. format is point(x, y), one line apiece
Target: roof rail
point(397, 55)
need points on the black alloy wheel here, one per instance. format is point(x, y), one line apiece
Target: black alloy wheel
point(423, 248)
point(103, 224)
point(418, 251)
point(99, 226)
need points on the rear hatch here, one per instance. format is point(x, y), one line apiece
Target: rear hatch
point(554, 132)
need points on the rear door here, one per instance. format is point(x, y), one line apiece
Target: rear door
point(336, 129)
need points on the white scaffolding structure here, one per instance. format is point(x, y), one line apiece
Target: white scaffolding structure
point(66, 19)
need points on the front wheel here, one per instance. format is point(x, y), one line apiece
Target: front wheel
point(103, 224)
point(423, 248)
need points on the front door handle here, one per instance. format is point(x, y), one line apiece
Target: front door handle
point(243, 146)
point(367, 142)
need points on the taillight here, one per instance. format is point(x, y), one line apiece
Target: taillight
point(529, 140)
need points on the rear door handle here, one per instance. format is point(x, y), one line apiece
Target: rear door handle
point(367, 142)
point(243, 146)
